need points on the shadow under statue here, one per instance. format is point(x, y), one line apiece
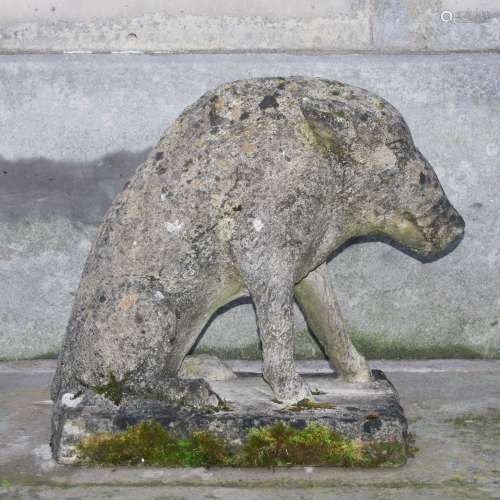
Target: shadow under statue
point(249, 193)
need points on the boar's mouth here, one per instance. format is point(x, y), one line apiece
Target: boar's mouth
point(442, 227)
point(445, 234)
point(439, 237)
point(424, 239)
point(403, 231)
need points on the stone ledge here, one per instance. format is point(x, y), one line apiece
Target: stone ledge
point(194, 25)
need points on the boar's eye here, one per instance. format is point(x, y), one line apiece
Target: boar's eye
point(426, 180)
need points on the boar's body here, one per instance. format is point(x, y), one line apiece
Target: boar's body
point(249, 191)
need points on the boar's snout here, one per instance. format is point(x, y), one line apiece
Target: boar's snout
point(446, 229)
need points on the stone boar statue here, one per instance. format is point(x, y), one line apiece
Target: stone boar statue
point(248, 193)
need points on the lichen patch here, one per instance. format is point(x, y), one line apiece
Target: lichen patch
point(174, 226)
point(257, 225)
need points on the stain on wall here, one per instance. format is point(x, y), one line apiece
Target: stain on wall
point(77, 191)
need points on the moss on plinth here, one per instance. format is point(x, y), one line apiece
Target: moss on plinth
point(280, 444)
point(149, 443)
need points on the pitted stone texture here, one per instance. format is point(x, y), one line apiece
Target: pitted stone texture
point(249, 192)
point(205, 366)
point(368, 412)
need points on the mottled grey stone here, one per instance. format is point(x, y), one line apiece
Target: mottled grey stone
point(76, 416)
point(249, 192)
point(368, 412)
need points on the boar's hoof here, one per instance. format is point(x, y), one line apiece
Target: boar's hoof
point(360, 377)
point(290, 390)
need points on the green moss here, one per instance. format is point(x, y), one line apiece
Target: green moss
point(148, 443)
point(46, 355)
point(5, 483)
point(387, 454)
point(305, 347)
point(371, 345)
point(307, 404)
point(490, 418)
point(43, 355)
point(338, 114)
point(317, 392)
point(322, 141)
point(281, 444)
point(222, 406)
point(251, 351)
point(377, 346)
point(114, 390)
point(334, 148)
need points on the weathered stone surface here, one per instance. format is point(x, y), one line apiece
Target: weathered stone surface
point(250, 191)
point(78, 415)
point(205, 366)
point(369, 412)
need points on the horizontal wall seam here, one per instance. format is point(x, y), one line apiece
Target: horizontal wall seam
point(250, 52)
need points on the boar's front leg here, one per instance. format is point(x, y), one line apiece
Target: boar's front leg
point(273, 299)
point(317, 300)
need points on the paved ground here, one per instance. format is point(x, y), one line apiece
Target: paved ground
point(453, 408)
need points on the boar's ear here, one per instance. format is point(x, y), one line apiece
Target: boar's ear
point(330, 120)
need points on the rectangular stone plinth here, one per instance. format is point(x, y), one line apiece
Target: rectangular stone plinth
point(369, 413)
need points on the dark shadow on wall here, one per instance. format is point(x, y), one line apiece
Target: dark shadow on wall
point(81, 192)
point(78, 191)
point(359, 240)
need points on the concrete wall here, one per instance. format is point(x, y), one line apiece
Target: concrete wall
point(74, 126)
point(227, 25)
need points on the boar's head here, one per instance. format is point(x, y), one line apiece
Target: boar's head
point(385, 185)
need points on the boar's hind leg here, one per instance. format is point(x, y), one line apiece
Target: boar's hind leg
point(192, 322)
point(122, 334)
point(273, 301)
point(317, 300)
